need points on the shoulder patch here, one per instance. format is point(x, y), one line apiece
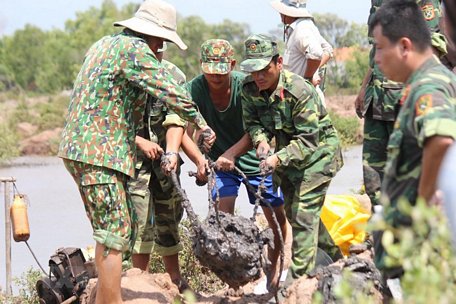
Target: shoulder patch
point(404, 95)
point(428, 12)
point(423, 104)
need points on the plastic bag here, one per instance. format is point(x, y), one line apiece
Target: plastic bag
point(346, 220)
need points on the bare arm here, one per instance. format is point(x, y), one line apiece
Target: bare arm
point(433, 154)
point(173, 141)
point(191, 150)
point(359, 101)
point(226, 160)
point(311, 68)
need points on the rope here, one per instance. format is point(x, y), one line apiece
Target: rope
point(258, 198)
point(33, 254)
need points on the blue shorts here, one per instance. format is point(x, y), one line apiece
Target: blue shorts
point(228, 185)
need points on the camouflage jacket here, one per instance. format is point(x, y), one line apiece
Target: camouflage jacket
point(428, 109)
point(108, 101)
point(307, 144)
point(156, 120)
point(382, 93)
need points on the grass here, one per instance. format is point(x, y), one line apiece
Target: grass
point(348, 129)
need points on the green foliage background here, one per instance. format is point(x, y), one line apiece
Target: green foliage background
point(37, 61)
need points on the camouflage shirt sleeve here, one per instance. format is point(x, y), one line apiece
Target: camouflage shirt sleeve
point(172, 119)
point(433, 115)
point(305, 108)
point(252, 124)
point(144, 70)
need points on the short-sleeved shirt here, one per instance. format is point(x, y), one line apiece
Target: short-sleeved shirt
point(381, 92)
point(156, 120)
point(108, 100)
point(307, 144)
point(304, 42)
point(227, 124)
point(428, 109)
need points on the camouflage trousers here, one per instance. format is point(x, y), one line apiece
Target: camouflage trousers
point(107, 203)
point(303, 209)
point(376, 136)
point(159, 212)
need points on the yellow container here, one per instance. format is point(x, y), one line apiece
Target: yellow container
point(19, 219)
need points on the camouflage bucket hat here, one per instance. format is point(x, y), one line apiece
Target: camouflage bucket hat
point(216, 56)
point(258, 52)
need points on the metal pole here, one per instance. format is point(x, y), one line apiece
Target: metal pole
point(7, 182)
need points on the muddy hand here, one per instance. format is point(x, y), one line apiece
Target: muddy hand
point(269, 164)
point(225, 163)
point(198, 181)
point(205, 138)
point(262, 150)
point(202, 173)
point(169, 162)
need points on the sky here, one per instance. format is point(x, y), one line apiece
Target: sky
point(261, 17)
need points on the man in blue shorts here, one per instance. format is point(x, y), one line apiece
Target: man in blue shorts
point(217, 93)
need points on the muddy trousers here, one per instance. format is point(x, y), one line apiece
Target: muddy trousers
point(303, 209)
point(376, 136)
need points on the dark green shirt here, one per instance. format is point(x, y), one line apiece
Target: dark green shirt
point(228, 124)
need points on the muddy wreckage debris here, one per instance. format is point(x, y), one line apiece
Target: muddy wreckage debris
point(230, 246)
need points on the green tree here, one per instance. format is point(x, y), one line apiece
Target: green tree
point(356, 67)
point(94, 23)
point(24, 54)
point(339, 32)
point(356, 35)
point(194, 31)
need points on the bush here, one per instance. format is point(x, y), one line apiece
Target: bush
point(424, 250)
point(8, 143)
point(52, 114)
point(27, 291)
point(348, 129)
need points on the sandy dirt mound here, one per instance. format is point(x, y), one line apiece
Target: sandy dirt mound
point(40, 144)
point(344, 105)
point(142, 287)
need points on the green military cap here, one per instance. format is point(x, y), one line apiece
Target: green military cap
point(216, 56)
point(258, 52)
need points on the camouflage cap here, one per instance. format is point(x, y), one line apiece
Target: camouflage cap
point(258, 52)
point(216, 56)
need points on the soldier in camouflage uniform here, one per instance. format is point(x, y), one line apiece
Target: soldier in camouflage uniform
point(426, 124)
point(378, 101)
point(106, 108)
point(156, 200)
point(217, 93)
point(282, 105)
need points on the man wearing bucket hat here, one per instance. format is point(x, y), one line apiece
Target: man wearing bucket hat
point(156, 199)
point(98, 140)
point(217, 93)
point(306, 50)
point(282, 105)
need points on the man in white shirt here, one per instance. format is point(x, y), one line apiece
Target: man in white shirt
point(306, 50)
